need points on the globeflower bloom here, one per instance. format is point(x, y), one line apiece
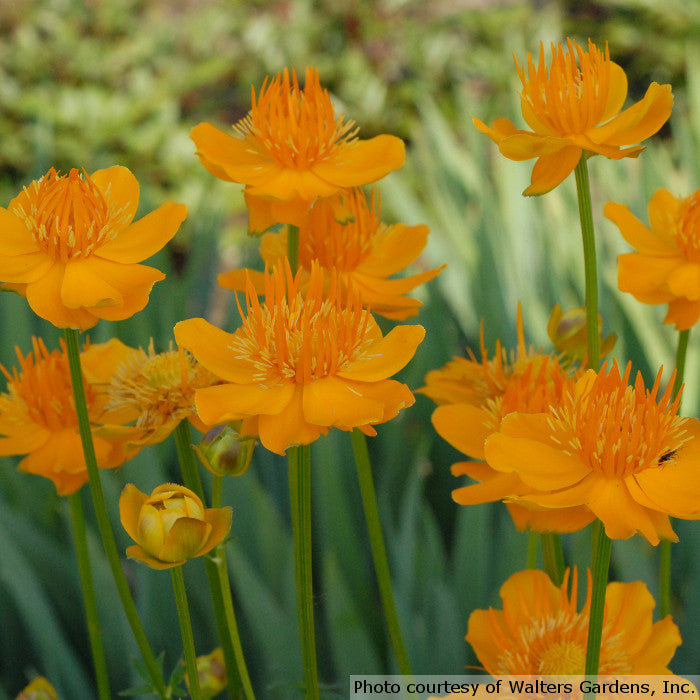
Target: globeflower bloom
point(665, 269)
point(171, 525)
point(474, 399)
point(301, 363)
point(539, 631)
point(573, 109)
point(156, 391)
point(69, 246)
point(292, 148)
point(363, 251)
point(38, 417)
point(620, 450)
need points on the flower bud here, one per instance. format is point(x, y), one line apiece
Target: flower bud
point(211, 670)
point(38, 689)
point(224, 452)
point(171, 525)
point(568, 334)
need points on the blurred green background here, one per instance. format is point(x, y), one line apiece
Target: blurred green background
point(92, 84)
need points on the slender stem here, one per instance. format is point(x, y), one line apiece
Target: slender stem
point(293, 247)
point(183, 614)
point(553, 556)
point(665, 547)
point(589, 260)
point(217, 573)
point(532, 539)
point(299, 459)
point(102, 516)
point(600, 566)
point(376, 538)
point(89, 599)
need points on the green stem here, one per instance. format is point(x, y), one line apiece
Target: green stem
point(89, 599)
point(299, 459)
point(553, 557)
point(217, 573)
point(183, 614)
point(589, 260)
point(600, 566)
point(376, 538)
point(103, 524)
point(531, 551)
point(665, 547)
point(293, 247)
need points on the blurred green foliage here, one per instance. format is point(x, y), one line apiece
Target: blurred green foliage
point(92, 84)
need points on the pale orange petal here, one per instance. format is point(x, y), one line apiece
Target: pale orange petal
point(225, 402)
point(220, 521)
point(481, 637)
point(628, 614)
point(394, 250)
point(617, 92)
point(684, 281)
point(639, 236)
point(524, 145)
point(24, 442)
point(211, 348)
point(551, 170)
point(83, 286)
point(146, 236)
point(26, 268)
point(362, 162)
point(663, 210)
point(15, 237)
point(496, 488)
point(237, 280)
point(638, 122)
point(645, 276)
point(120, 188)
point(130, 503)
point(137, 553)
point(683, 313)
point(330, 401)
point(465, 427)
point(185, 539)
point(665, 638)
point(559, 520)
point(500, 129)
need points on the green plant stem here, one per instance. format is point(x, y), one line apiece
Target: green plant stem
point(183, 614)
point(293, 247)
point(93, 621)
point(665, 547)
point(376, 539)
point(299, 458)
point(217, 573)
point(103, 524)
point(553, 557)
point(599, 572)
point(589, 260)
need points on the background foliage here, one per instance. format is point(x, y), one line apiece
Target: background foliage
point(92, 84)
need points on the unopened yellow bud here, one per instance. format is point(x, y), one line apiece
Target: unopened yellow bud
point(224, 452)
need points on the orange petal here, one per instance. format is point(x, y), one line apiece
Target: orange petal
point(391, 395)
point(482, 639)
point(663, 211)
point(559, 520)
point(617, 92)
point(684, 313)
point(639, 236)
point(524, 145)
point(83, 286)
point(386, 356)
point(130, 503)
point(26, 268)
point(330, 401)
point(185, 539)
point(500, 129)
point(289, 427)
point(394, 250)
point(495, 489)
point(120, 188)
point(638, 122)
point(362, 162)
point(224, 402)
point(465, 427)
point(628, 615)
point(645, 276)
point(684, 281)
point(25, 441)
point(145, 237)
point(211, 348)
point(551, 170)
point(15, 239)
point(237, 280)
point(220, 521)
point(664, 639)
point(136, 552)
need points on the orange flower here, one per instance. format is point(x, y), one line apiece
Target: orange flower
point(301, 363)
point(171, 525)
point(68, 246)
point(156, 390)
point(38, 418)
point(540, 632)
point(362, 250)
point(611, 447)
point(291, 148)
point(572, 108)
point(475, 398)
point(666, 267)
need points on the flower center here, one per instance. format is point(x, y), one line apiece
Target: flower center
point(43, 390)
point(296, 339)
point(688, 229)
point(297, 128)
point(68, 215)
point(619, 429)
point(342, 245)
point(563, 658)
point(570, 97)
